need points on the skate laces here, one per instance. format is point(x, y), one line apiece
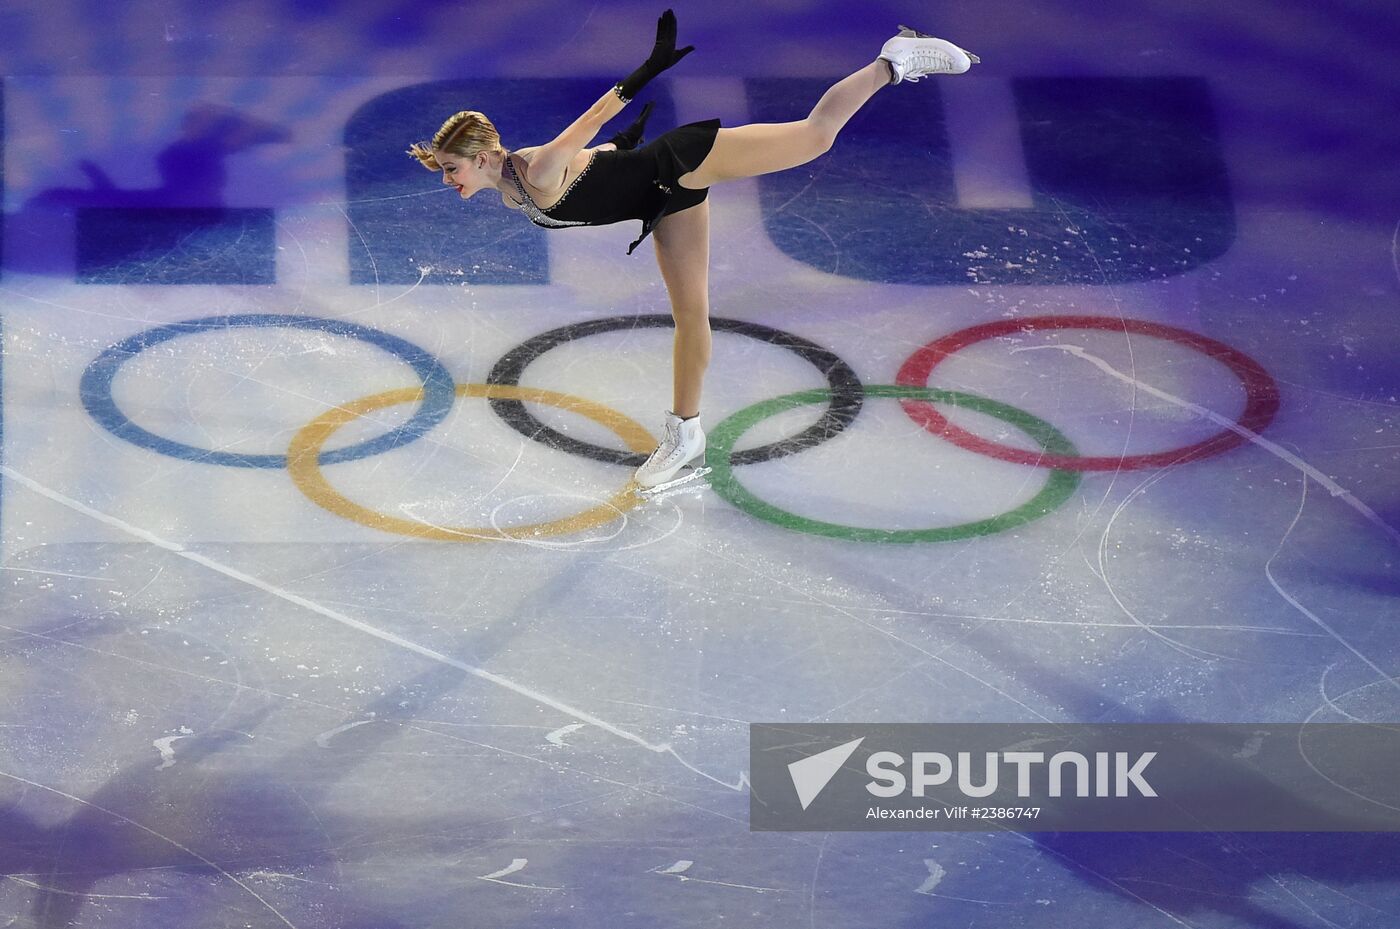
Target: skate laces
point(927, 60)
point(670, 445)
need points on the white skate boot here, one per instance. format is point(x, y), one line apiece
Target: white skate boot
point(682, 443)
point(913, 55)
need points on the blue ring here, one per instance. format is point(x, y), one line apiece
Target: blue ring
point(96, 388)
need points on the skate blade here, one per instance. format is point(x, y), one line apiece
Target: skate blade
point(688, 483)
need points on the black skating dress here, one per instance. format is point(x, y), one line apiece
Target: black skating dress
point(639, 183)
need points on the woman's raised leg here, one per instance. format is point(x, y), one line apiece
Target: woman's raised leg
point(761, 148)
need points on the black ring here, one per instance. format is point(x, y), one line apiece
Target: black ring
point(847, 393)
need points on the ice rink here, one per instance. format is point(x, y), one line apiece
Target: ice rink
point(1062, 391)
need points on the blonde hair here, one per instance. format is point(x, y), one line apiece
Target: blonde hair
point(466, 134)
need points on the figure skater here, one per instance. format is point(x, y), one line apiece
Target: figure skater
point(664, 184)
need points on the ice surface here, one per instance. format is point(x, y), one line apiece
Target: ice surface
point(227, 699)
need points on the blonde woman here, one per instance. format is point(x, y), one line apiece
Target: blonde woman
point(664, 184)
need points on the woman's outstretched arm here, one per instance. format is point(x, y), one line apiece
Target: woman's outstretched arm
point(550, 160)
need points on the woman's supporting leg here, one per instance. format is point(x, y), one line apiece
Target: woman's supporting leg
point(761, 148)
point(682, 242)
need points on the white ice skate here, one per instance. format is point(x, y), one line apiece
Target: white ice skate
point(913, 55)
point(682, 442)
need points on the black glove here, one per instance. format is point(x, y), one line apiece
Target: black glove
point(663, 56)
point(631, 137)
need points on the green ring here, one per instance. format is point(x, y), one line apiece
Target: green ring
point(1057, 489)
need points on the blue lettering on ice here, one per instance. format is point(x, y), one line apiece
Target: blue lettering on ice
point(1133, 166)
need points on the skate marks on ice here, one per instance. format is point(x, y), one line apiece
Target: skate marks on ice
point(516, 865)
point(1273, 448)
point(678, 870)
point(384, 635)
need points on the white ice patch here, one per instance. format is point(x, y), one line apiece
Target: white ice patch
point(935, 877)
point(166, 747)
point(516, 865)
point(323, 740)
point(557, 736)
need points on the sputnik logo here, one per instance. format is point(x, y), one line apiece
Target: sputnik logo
point(811, 775)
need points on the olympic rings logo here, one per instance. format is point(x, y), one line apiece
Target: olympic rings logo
point(843, 397)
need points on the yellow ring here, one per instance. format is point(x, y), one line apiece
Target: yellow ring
point(303, 464)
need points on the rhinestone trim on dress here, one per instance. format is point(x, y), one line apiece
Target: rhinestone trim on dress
point(538, 216)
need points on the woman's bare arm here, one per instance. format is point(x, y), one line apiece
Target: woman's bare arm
point(551, 160)
point(555, 157)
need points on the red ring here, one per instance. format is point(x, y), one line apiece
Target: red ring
point(1261, 393)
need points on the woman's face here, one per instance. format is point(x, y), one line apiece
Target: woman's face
point(463, 173)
